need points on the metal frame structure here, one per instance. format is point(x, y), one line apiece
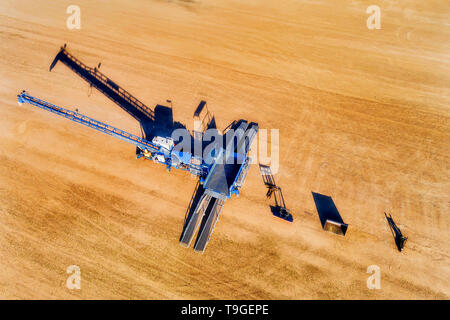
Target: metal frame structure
point(143, 144)
point(220, 178)
point(212, 200)
point(279, 210)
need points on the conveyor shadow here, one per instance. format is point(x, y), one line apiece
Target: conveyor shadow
point(153, 123)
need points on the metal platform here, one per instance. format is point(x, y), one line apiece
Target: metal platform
point(230, 168)
point(208, 224)
point(225, 176)
point(194, 221)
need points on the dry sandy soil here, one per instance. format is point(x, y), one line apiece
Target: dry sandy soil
point(363, 117)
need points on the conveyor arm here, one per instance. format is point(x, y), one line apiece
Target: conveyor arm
point(89, 122)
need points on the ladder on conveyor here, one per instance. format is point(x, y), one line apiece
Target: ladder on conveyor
point(142, 143)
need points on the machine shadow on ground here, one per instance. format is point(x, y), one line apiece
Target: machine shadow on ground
point(396, 232)
point(153, 122)
point(329, 215)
